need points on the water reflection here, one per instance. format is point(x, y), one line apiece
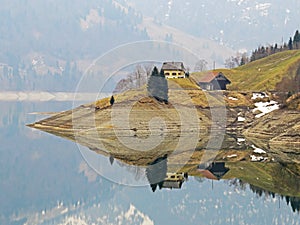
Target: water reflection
point(158, 176)
point(44, 180)
point(214, 170)
point(277, 176)
point(293, 202)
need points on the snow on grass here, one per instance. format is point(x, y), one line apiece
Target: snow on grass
point(259, 95)
point(232, 98)
point(265, 107)
point(258, 150)
point(241, 119)
point(232, 156)
point(241, 140)
point(255, 158)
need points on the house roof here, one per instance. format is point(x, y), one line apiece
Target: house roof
point(208, 77)
point(208, 174)
point(173, 66)
point(172, 184)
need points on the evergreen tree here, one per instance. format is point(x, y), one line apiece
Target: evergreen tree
point(151, 82)
point(112, 100)
point(156, 172)
point(242, 61)
point(290, 44)
point(158, 86)
point(296, 39)
point(275, 48)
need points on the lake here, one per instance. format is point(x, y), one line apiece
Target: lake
point(46, 179)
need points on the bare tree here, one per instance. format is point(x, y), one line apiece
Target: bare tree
point(139, 71)
point(230, 63)
point(148, 67)
point(201, 65)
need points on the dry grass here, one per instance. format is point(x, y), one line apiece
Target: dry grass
point(264, 74)
point(182, 83)
point(293, 102)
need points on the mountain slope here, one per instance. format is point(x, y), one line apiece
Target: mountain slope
point(235, 23)
point(203, 48)
point(69, 29)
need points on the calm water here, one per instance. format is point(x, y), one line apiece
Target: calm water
point(45, 180)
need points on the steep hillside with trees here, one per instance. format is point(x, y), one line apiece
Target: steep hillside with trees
point(44, 44)
point(264, 51)
point(280, 72)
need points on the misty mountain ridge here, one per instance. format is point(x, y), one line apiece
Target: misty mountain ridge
point(239, 24)
point(47, 45)
point(68, 29)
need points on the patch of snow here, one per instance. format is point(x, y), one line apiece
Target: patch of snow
point(258, 150)
point(133, 215)
point(90, 19)
point(265, 107)
point(241, 140)
point(232, 98)
point(232, 156)
point(73, 220)
point(130, 212)
point(242, 50)
point(255, 158)
point(263, 6)
point(64, 211)
point(259, 95)
point(34, 62)
point(241, 119)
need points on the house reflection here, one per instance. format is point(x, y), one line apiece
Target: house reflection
point(158, 176)
point(214, 170)
point(174, 180)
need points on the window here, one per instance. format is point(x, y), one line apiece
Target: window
point(174, 74)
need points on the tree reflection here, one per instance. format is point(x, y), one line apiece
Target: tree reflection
point(293, 202)
point(158, 176)
point(156, 172)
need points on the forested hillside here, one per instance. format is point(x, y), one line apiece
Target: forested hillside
point(41, 42)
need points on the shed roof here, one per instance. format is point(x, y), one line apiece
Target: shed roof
point(215, 170)
point(172, 184)
point(209, 77)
